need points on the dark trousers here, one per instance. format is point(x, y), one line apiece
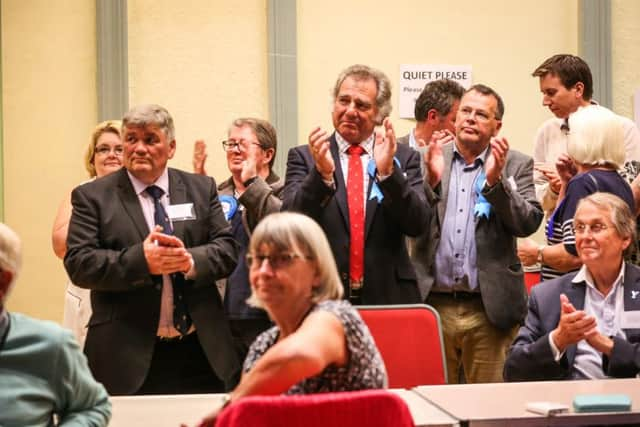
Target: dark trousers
point(179, 366)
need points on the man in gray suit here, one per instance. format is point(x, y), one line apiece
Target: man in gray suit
point(467, 267)
point(435, 111)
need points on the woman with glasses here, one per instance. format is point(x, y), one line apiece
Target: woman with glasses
point(319, 342)
point(595, 153)
point(103, 156)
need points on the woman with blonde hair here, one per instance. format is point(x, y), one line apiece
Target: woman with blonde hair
point(103, 156)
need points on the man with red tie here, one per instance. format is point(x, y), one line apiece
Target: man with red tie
point(363, 189)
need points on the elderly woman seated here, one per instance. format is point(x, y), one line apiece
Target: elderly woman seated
point(319, 342)
point(583, 325)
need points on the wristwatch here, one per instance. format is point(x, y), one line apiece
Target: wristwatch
point(540, 253)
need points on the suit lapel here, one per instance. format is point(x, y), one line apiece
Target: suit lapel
point(131, 204)
point(575, 292)
point(341, 187)
point(177, 195)
point(447, 152)
point(371, 205)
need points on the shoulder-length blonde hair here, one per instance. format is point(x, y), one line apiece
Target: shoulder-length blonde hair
point(109, 126)
point(285, 231)
point(596, 137)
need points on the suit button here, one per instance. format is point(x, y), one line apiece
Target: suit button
point(343, 276)
point(158, 287)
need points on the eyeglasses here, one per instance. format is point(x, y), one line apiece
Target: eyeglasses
point(596, 228)
point(276, 261)
point(105, 150)
point(480, 116)
point(241, 146)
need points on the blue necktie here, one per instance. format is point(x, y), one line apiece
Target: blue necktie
point(181, 319)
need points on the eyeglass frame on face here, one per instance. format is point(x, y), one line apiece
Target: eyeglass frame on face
point(230, 145)
point(277, 261)
point(594, 229)
point(105, 150)
point(479, 115)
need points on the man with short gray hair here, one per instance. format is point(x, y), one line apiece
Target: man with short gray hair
point(43, 373)
point(150, 242)
point(364, 189)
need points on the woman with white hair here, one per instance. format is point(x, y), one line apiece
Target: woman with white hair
point(319, 342)
point(595, 153)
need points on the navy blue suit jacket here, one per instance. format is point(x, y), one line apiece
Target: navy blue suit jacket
point(530, 356)
point(389, 277)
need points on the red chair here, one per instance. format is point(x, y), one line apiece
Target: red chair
point(531, 278)
point(369, 408)
point(409, 338)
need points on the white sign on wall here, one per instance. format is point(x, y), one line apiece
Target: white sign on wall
point(413, 77)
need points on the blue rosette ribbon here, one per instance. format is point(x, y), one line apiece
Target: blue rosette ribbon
point(482, 207)
point(376, 193)
point(229, 206)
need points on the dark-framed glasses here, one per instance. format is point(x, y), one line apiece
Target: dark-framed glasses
point(241, 146)
point(276, 261)
point(480, 115)
point(596, 228)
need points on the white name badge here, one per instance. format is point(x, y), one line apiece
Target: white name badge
point(630, 319)
point(182, 212)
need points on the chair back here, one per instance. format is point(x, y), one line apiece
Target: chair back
point(409, 338)
point(369, 408)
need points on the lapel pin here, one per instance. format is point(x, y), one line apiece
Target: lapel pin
point(634, 294)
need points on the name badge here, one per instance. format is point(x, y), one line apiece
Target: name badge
point(630, 319)
point(182, 212)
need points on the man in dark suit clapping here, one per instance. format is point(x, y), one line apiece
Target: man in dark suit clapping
point(364, 189)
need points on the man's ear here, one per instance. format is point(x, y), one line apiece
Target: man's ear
point(269, 154)
point(433, 116)
point(579, 87)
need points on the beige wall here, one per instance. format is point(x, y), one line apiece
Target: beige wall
point(503, 41)
point(206, 62)
point(49, 105)
point(625, 54)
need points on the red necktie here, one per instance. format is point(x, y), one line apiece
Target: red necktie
point(356, 213)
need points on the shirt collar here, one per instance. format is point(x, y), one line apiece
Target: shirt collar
point(412, 139)
point(162, 182)
point(478, 161)
point(585, 276)
point(367, 144)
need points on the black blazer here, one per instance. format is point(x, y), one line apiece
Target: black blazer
point(105, 255)
point(389, 277)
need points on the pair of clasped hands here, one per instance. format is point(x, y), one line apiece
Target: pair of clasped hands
point(434, 159)
point(165, 254)
point(384, 150)
point(558, 175)
point(575, 326)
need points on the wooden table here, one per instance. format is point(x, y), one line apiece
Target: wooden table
point(504, 403)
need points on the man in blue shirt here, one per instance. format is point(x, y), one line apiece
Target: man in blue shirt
point(43, 373)
point(484, 197)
